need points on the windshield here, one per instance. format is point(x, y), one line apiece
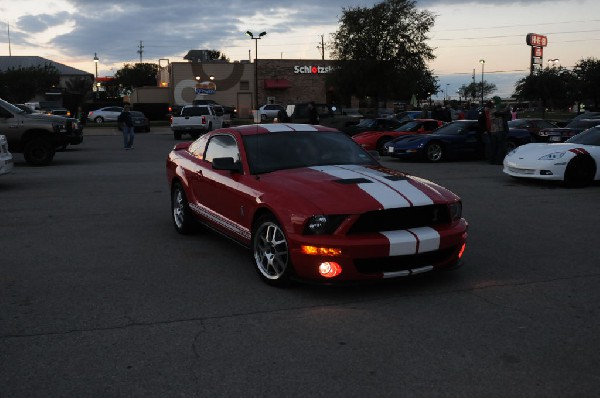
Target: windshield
point(366, 123)
point(11, 107)
point(289, 150)
point(588, 137)
point(409, 126)
point(455, 128)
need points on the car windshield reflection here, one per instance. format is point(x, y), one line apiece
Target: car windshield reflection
point(279, 151)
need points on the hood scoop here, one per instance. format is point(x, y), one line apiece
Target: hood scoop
point(396, 178)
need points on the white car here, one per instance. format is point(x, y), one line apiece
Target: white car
point(108, 114)
point(576, 161)
point(6, 158)
point(270, 111)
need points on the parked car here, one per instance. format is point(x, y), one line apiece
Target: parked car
point(370, 124)
point(533, 127)
point(270, 111)
point(140, 121)
point(59, 112)
point(107, 114)
point(229, 111)
point(574, 127)
point(6, 158)
point(37, 136)
point(457, 139)
point(576, 162)
point(282, 190)
point(375, 140)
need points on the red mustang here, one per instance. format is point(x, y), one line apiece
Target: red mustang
point(313, 205)
point(375, 140)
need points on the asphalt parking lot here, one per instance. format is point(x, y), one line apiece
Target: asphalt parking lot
point(100, 297)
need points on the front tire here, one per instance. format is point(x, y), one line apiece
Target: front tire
point(180, 210)
point(580, 172)
point(271, 252)
point(434, 152)
point(39, 152)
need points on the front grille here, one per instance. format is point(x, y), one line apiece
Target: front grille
point(521, 171)
point(403, 263)
point(401, 218)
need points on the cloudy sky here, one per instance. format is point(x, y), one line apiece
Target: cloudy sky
point(71, 31)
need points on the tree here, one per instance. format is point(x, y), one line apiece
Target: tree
point(552, 86)
point(216, 55)
point(21, 84)
point(77, 91)
point(473, 90)
point(137, 75)
point(381, 52)
point(587, 71)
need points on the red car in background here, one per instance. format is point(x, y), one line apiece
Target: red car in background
point(375, 140)
point(313, 205)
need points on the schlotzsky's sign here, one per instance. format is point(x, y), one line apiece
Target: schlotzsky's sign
point(312, 69)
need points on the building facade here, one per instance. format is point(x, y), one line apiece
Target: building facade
point(241, 84)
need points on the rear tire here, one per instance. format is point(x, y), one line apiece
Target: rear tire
point(39, 152)
point(380, 145)
point(180, 210)
point(99, 120)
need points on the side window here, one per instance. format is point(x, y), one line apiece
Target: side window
point(222, 146)
point(197, 147)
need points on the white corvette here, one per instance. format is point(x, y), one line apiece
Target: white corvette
point(576, 161)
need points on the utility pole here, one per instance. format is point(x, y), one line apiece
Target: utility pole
point(8, 31)
point(140, 51)
point(322, 48)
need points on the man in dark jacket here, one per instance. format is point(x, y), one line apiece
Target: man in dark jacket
point(126, 125)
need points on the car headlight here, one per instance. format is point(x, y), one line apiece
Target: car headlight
point(553, 156)
point(323, 224)
point(455, 210)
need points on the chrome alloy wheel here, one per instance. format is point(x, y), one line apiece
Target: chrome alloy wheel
point(271, 254)
point(179, 208)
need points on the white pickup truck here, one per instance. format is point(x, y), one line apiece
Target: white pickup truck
point(196, 120)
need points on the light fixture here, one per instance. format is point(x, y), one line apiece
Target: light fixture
point(482, 62)
point(261, 34)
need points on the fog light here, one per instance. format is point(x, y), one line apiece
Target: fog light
point(330, 269)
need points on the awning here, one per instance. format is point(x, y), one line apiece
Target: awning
point(277, 84)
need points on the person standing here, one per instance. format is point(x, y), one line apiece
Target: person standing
point(126, 125)
point(500, 115)
point(485, 129)
point(313, 115)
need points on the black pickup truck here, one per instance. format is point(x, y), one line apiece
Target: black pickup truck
point(37, 136)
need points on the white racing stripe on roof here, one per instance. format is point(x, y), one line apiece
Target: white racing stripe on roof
point(279, 127)
point(381, 192)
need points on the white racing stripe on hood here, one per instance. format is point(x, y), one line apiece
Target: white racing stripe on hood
point(413, 194)
point(381, 192)
point(412, 241)
point(389, 193)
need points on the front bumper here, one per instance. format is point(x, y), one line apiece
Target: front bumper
point(541, 170)
point(385, 255)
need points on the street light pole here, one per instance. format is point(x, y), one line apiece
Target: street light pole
point(256, 39)
point(96, 60)
point(482, 62)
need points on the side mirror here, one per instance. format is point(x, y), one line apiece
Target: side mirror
point(226, 164)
